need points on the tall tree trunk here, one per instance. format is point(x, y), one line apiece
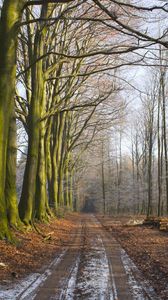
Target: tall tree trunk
point(71, 190)
point(42, 207)
point(60, 186)
point(60, 158)
point(137, 174)
point(133, 177)
point(67, 182)
point(27, 201)
point(47, 142)
point(10, 17)
point(119, 177)
point(54, 178)
point(67, 187)
point(149, 209)
point(103, 181)
point(41, 193)
point(150, 150)
point(10, 184)
point(161, 167)
point(145, 164)
point(159, 158)
point(164, 133)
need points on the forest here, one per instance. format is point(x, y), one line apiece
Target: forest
point(83, 149)
point(83, 109)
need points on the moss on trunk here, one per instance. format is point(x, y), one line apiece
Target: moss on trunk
point(41, 193)
point(54, 165)
point(10, 18)
point(27, 201)
point(60, 157)
point(71, 191)
point(47, 142)
point(10, 184)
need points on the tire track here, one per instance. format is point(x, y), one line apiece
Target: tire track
point(56, 284)
point(139, 288)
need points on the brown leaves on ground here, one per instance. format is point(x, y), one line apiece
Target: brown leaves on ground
point(34, 251)
point(148, 248)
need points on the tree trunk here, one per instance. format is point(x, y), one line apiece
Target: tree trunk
point(71, 190)
point(10, 184)
point(133, 178)
point(10, 17)
point(27, 201)
point(42, 207)
point(48, 161)
point(54, 178)
point(150, 150)
point(41, 193)
point(67, 183)
point(159, 158)
point(60, 158)
point(164, 133)
point(149, 209)
point(103, 181)
point(119, 177)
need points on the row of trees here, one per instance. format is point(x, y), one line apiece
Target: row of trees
point(149, 145)
point(56, 62)
point(55, 102)
point(134, 156)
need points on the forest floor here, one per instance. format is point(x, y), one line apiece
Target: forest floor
point(34, 250)
point(85, 260)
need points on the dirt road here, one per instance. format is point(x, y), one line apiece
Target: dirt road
point(93, 267)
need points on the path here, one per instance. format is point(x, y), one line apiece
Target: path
point(93, 267)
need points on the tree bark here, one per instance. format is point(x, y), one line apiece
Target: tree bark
point(103, 181)
point(10, 184)
point(41, 194)
point(159, 157)
point(27, 201)
point(10, 18)
point(164, 133)
point(54, 178)
point(60, 158)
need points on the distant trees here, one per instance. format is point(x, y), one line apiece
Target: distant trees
point(100, 185)
point(146, 169)
point(136, 180)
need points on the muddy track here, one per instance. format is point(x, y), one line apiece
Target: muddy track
point(125, 276)
point(93, 267)
point(56, 284)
